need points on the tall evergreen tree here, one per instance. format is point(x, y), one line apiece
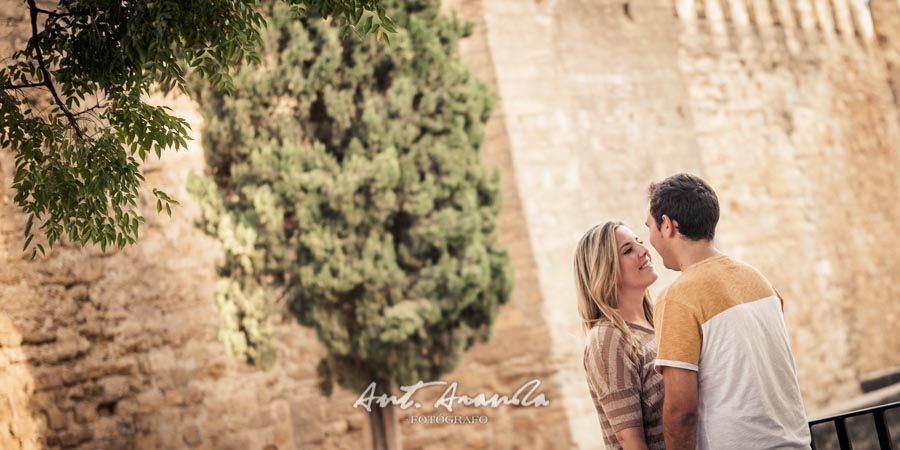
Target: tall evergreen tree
point(345, 185)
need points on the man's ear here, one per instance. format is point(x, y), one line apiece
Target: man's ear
point(669, 226)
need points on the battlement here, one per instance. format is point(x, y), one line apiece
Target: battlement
point(846, 18)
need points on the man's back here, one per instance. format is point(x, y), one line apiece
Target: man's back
point(723, 319)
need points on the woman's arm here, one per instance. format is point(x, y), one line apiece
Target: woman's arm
point(614, 377)
point(632, 438)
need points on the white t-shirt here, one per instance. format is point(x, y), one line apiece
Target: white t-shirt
point(722, 319)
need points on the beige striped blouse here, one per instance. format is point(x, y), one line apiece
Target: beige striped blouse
point(626, 390)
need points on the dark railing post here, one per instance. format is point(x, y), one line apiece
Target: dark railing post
point(840, 426)
point(843, 439)
point(884, 436)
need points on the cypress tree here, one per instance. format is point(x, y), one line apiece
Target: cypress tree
point(344, 182)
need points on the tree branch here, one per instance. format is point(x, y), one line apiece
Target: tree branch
point(56, 14)
point(92, 108)
point(7, 87)
point(47, 80)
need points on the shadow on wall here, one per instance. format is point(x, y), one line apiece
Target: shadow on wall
point(18, 426)
point(76, 344)
point(120, 350)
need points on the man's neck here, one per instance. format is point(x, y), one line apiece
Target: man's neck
point(693, 252)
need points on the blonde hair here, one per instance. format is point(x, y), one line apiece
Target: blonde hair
point(597, 277)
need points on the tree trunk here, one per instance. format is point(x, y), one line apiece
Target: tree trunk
point(383, 426)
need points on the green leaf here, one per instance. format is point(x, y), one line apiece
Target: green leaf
point(388, 24)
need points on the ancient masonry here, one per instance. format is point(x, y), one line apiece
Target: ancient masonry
point(788, 107)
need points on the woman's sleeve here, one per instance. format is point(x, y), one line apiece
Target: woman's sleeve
point(614, 377)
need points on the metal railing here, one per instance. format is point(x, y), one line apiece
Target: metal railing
point(840, 426)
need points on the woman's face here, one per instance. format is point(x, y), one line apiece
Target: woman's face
point(634, 260)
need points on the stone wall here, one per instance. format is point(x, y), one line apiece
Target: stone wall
point(595, 108)
point(784, 106)
point(798, 131)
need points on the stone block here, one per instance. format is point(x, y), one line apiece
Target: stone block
point(90, 270)
point(114, 388)
point(71, 437)
point(175, 397)
point(474, 440)
point(38, 336)
point(150, 400)
point(192, 435)
point(80, 292)
point(96, 369)
point(56, 419)
point(9, 336)
point(110, 428)
point(85, 413)
point(283, 436)
point(214, 370)
point(48, 378)
point(337, 427)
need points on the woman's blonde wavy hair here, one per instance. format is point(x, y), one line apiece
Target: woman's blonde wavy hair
point(597, 277)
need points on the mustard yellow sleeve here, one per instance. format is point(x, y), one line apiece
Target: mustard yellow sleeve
point(679, 336)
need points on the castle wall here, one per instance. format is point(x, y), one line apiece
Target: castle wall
point(785, 107)
point(798, 132)
point(595, 107)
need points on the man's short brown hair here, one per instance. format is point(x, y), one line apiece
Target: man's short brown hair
point(689, 201)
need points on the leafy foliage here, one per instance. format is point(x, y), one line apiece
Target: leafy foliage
point(77, 156)
point(345, 185)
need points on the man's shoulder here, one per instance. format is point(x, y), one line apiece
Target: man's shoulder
point(721, 270)
point(737, 266)
point(684, 290)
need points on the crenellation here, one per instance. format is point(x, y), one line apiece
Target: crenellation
point(714, 12)
point(685, 10)
point(761, 13)
point(700, 9)
point(865, 28)
point(738, 13)
point(825, 19)
point(804, 14)
point(844, 19)
point(813, 20)
point(784, 15)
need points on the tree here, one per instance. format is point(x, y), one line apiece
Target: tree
point(78, 152)
point(345, 185)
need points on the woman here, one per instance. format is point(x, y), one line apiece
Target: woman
point(613, 271)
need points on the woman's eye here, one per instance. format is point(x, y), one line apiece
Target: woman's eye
point(627, 251)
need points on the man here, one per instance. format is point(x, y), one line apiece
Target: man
point(728, 372)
